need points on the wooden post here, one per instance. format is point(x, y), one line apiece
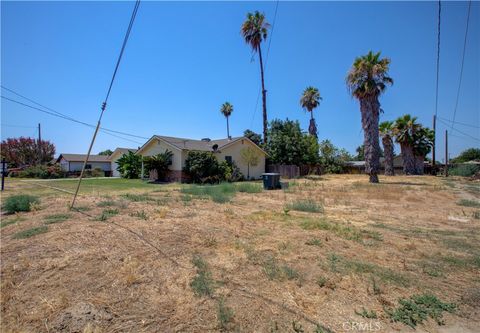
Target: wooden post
point(4, 171)
point(39, 145)
point(446, 153)
point(433, 146)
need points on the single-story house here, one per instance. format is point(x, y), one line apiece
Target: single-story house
point(117, 153)
point(224, 149)
point(74, 162)
point(359, 166)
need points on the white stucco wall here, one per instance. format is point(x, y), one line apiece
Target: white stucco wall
point(77, 166)
point(64, 164)
point(235, 149)
point(113, 163)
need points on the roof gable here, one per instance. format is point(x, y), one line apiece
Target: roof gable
point(81, 158)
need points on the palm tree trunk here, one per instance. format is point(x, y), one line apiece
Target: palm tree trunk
point(312, 128)
point(388, 150)
point(408, 159)
point(370, 110)
point(264, 97)
point(419, 164)
point(228, 129)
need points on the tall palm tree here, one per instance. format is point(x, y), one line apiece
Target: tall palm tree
point(227, 110)
point(367, 80)
point(310, 100)
point(254, 31)
point(404, 130)
point(386, 132)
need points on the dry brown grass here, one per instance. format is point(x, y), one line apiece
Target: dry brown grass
point(127, 274)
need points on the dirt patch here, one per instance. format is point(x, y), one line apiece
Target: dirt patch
point(78, 317)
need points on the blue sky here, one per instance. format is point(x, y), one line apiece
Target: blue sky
point(185, 59)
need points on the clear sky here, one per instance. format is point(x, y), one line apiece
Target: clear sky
point(185, 59)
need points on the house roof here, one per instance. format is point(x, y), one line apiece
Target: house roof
point(191, 144)
point(122, 151)
point(199, 145)
point(81, 158)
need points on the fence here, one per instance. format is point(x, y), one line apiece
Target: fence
point(294, 171)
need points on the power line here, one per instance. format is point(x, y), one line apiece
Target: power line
point(63, 115)
point(463, 60)
point(266, 60)
point(125, 40)
point(458, 123)
point(438, 54)
point(458, 131)
point(60, 115)
point(104, 104)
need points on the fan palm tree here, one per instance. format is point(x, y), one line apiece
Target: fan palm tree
point(404, 130)
point(310, 100)
point(254, 31)
point(423, 144)
point(160, 163)
point(386, 132)
point(227, 110)
point(367, 80)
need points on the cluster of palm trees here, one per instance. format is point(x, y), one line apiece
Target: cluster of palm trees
point(415, 141)
point(367, 79)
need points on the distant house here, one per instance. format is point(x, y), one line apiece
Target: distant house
point(223, 149)
point(117, 153)
point(74, 162)
point(359, 166)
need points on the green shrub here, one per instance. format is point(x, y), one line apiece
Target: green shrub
point(56, 218)
point(19, 203)
point(230, 172)
point(468, 203)
point(224, 314)
point(202, 284)
point(130, 165)
point(160, 163)
point(306, 206)
point(464, 170)
point(106, 214)
point(30, 232)
point(43, 172)
point(97, 172)
point(249, 188)
point(367, 314)
point(140, 214)
point(418, 308)
point(220, 193)
point(202, 167)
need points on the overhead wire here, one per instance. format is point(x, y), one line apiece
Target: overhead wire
point(438, 54)
point(462, 63)
point(58, 114)
point(459, 123)
point(458, 131)
point(104, 104)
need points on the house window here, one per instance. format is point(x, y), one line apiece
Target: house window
point(228, 159)
point(88, 167)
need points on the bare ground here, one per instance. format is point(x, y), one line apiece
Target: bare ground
point(274, 269)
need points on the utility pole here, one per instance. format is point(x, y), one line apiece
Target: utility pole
point(39, 144)
point(446, 153)
point(434, 137)
point(4, 171)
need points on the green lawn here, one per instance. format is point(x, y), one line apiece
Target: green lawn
point(103, 186)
